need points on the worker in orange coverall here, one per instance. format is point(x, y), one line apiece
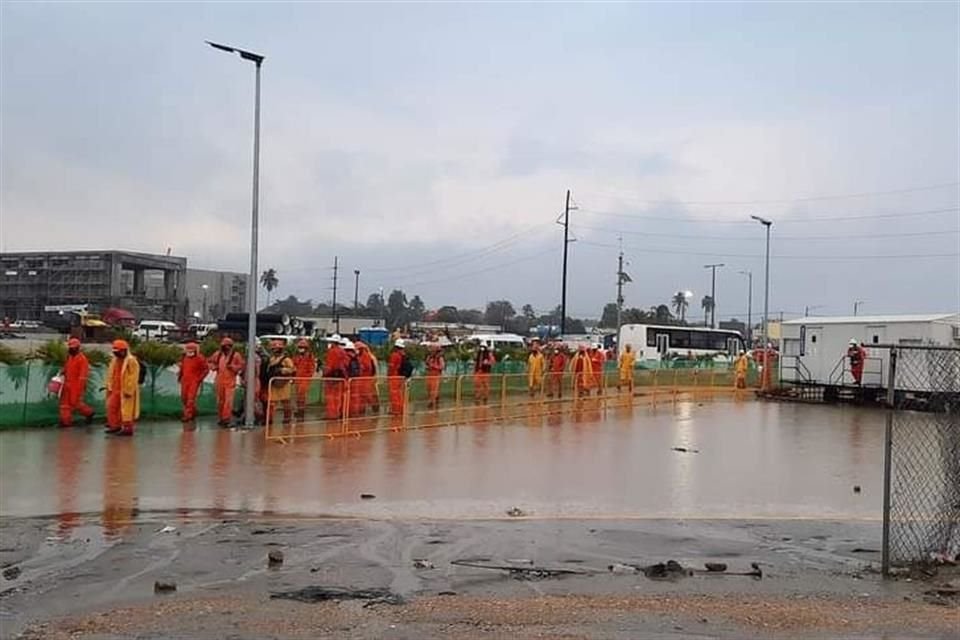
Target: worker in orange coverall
point(368, 378)
point(305, 364)
point(335, 372)
point(398, 368)
point(227, 364)
point(76, 371)
point(193, 369)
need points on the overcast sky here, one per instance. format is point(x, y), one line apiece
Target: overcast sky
point(431, 146)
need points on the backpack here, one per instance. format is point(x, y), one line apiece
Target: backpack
point(406, 367)
point(142, 377)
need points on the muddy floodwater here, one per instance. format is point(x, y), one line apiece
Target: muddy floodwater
point(742, 460)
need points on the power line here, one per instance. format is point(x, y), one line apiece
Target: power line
point(843, 196)
point(778, 257)
point(786, 220)
point(474, 273)
point(779, 237)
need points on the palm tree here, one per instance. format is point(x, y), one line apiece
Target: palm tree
point(269, 281)
point(707, 305)
point(679, 302)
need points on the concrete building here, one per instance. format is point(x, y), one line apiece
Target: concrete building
point(212, 294)
point(31, 281)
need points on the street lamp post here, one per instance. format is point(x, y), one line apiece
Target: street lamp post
point(766, 294)
point(856, 306)
point(713, 293)
point(204, 287)
point(257, 60)
point(749, 275)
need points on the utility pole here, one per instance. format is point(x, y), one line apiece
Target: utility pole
point(356, 289)
point(713, 292)
point(566, 242)
point(622, 278)
point(336, 316)
point(749, 275)
point(856, 306)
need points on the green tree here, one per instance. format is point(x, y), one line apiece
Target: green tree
point(470, 316)
point(609, 316)
point(447, 314)
point(707, 305)
point(662, 315)
point(680, 304)
point(529, 313)
point(269, 281)
point(498, 312)
point(415, 309)
point(396, 309)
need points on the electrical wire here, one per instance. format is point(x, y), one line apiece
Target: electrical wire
point(773, 256)
point(844, 196)
point(721, 220)
point(778, 236)
point(474, 273)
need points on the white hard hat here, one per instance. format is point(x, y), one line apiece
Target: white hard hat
point(400, 343)
point(335, 338)
point(348, 345)
point(853, 341)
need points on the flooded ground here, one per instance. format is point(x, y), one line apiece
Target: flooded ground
point(742, 460)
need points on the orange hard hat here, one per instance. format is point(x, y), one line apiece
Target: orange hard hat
point(73, 343)
point(120, 345)
point(226, 342)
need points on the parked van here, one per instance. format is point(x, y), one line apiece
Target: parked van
point(155, 329)
point(497, 340)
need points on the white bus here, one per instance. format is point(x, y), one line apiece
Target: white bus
point(652, 343)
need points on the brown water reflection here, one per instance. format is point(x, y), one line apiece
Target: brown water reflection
point(755, 459)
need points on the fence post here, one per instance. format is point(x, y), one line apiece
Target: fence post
point(887, 451)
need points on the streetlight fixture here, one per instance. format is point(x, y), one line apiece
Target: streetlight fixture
point(856, 306)
point(807, 309)
point(257, 60)
point(749, 275)
point(766, 294)
point(713, 292)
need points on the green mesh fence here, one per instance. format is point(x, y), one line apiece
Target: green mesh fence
point(25, 402)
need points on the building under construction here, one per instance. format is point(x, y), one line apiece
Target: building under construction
point(33, 284)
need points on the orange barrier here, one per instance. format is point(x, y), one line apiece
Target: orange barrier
point(335, 407)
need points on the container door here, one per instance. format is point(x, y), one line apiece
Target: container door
point(814, 358)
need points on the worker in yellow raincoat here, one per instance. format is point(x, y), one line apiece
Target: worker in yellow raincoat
point(536, 366)
point(740, 370)
point(123, 390)
point(625, 368)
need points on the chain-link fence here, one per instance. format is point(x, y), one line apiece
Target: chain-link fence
point(921, 518)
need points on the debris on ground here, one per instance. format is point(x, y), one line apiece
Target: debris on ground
point(167, 529)
point(669, 570)
point(519, 561)
point(315, 594)
point(11, 573)
point(516, 512)
point(367, 496)
point(275, 558)
point(863, 550)
point(164, 586)
point(422, 563)
point(619, 567)
point(530, 572)
point(715, 567)
point(686, 450)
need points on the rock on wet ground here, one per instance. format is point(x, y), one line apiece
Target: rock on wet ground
point(78, 584)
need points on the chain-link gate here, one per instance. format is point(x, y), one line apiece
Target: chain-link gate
point(921, 510)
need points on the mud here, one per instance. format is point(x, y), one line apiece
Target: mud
point(86, 586)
